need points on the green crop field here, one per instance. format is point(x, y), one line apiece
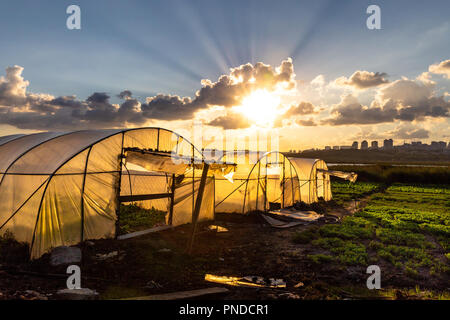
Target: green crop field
point(405, 228)
point(344, 191)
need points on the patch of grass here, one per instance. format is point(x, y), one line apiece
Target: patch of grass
point(399, 174)
point(398, 226)
point(320, 258)
point(306, 236)
point(12, 251)
point(134, 218)
point(346, 191)
point(350, 228)
point(402, 237)
point(346, 252)
point(118, 292)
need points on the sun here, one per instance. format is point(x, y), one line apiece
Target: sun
point(261, 107)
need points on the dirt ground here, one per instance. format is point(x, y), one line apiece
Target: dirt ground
point(159, 263)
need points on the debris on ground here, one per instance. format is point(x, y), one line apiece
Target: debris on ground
point(289, 296)
point(105, 256)
point(65, 255)
point(298, 285)
point(307, 216)
point(217, 228)
point(153, 285)
point(77, 294)
point(280, 224)
point(183, 295)
point(249, 281)
point(164, 250)
point(29, 295)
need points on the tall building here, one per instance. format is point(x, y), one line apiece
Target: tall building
point(374, 145)
point(355, 145)
point(364, 145)
point(388, 143)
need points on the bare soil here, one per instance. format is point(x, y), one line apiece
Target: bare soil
point(159, 263)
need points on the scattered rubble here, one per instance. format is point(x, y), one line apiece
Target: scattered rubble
point(105, 256)
point(65, 255)
point(153, 285)
point(77, 294)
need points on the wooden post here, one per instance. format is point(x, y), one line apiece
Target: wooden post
point(283, 184)
point(172, 200)
point(198, 204)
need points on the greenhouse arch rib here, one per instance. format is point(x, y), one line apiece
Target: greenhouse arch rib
point(258, 161)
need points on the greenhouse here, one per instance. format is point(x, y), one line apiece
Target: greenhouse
point(266, 180)
point(62, 188)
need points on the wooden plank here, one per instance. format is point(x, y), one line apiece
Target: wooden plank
point(142, 197)
point(172, 199)
point(182, 294)
point(198, 204)
point(140, 233)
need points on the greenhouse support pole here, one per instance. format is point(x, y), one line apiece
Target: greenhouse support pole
point(172, 199)
point(265, 190)
point(198, 204)
point(282, 200)
point(257, 186)
point(119, 187)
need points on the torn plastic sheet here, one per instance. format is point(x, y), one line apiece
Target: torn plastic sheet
point(249, 281)
point(156, 162)
point(350, 176)
point(307, 216)
point(217, 228)
point(280, 224)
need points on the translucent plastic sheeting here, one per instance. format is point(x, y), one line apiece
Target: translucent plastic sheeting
point(9, 138)
point(272, 178)
point(143, 182)
point(62, 188)
point(350, 176)
point(185, 197)
point(155, 162)
point(313, 183)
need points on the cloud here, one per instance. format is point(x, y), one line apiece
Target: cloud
point(350, 111)
point(409, 132)
point(231, 120)
point(306, 123)
point(126, 94)
point(441, 68)
point(302, 108)
point(404, 100)
point(42, 111)
point(363, 80)
point(13, 87)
